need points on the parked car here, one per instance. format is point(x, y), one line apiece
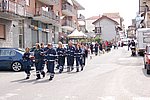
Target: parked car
point(11, 59)
point(147, 59)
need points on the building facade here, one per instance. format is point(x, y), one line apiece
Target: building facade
point(106, 27)
point(144, 11)
point(26, 22)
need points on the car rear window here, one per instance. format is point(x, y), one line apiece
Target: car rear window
point(7, 52)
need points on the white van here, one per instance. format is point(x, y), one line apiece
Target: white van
point(143, 38)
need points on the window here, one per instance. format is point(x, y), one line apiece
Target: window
point(7, 52)
point(2, 31)
point(97, 29)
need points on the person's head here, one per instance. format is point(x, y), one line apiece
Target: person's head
point(27, 49)
point(42, 45)
point(78, 46)
point(60, 45)
point(70, 43)
point(37, 46)
point(49, 45)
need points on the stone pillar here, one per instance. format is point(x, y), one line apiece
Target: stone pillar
point(40, 32)
point(27, 33)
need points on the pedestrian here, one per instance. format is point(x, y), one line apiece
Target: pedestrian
point(50, 60)
point(38, 54)
point(91, 48)
point(61, 53)
point(27, 62)
point(129, 43)
point(96, 48)
point(103, 47)
point(106, 45)
point(83, 53)
point(78, 55)
point(43, 49)
point(100, 48)
point(70, 56)
point(64, 57)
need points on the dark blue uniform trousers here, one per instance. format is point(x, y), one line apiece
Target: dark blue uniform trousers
point(70, 62)
point(51, 65)
point(27, 67)
point(61, 63)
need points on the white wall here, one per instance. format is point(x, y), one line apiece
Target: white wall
point(89, 26)
point(108, 29)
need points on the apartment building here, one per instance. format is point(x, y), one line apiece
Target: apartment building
point(26, 22)
point(144, 10)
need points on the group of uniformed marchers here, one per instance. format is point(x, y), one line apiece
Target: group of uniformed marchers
point(48, 56)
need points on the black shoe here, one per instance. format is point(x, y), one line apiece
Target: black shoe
point(38, 78)
point(82, 68)
point(72, 69)
point(43, 73)
point(77, 70)
point(50, 78)
point(27, 77)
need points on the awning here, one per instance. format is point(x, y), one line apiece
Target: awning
point(77, 34)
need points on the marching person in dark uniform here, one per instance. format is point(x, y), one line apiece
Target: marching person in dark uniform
point(50, 60)
point(64, 57)
point(96, 48)
point(83, 54)
point(91, 48)
point(70, 56)
point(78, 55)
point(61, 53)
point(38, 54)
point(27, 62)
point(43, 49)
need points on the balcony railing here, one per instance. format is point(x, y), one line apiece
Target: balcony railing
point(12, 7)
point(48, 14)
point(66, 22)
point(66, 6)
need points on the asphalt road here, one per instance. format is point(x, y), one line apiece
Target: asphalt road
point(111, 76)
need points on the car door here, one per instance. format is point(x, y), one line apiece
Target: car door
point(6, 58)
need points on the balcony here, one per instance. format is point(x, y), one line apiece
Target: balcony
point(48, 17)
point(11, 10)
point(50, 2)
point(68, 25)
point(68, 9)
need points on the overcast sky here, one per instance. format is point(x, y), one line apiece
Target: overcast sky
point(126, 8)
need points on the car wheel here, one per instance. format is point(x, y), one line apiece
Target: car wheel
point(16, 66)
point(148, 71)
point(145, 66)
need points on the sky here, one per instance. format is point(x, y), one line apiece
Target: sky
point(127, 8)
